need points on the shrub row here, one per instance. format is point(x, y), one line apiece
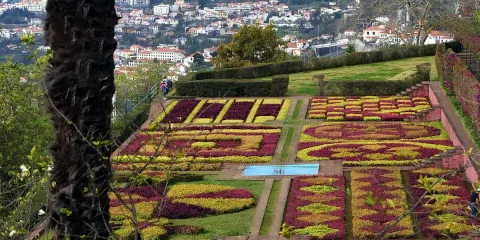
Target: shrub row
point(287, 67)
point(276, 87)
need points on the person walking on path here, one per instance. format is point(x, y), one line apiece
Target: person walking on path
point(164, 88)
point(474, 204)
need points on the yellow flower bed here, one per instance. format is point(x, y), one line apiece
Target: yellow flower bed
point(166, 159)
point(144, 211)
point(224, 111)
point(182, 190)
point(203, 120)
point(203, 145)
point(232, 121)
point(195, 111)
point(262, 119)
point(253, 111)
point(284, 109)
point(220, 205)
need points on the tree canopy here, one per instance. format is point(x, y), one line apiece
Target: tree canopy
point(252, 44)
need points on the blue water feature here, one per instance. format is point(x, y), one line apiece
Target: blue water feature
point(276, 170)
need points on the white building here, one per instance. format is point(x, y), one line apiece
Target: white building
point(161, 10)
point(162, 54)
point(436, 37)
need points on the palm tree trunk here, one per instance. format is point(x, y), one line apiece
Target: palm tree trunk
point(79, 89)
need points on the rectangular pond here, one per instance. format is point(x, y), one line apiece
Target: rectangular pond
point(278, 170)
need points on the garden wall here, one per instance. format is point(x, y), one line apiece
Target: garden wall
point(371, 87)
point(287, 67)
point(276, 87)
point(461, 83)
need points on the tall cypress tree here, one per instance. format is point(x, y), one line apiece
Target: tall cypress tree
point(79, 89)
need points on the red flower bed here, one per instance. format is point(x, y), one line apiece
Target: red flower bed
point(370, 218)
point(429, 213)
point(210, 110)
point(334, 197)
point(356, 108)
point(180, 111)
point(268, 110)
point(238, 111)
point(219, 143)
point(374, 143)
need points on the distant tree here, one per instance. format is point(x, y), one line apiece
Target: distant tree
point(350, 48)
point(252, 44)
point(198, 59)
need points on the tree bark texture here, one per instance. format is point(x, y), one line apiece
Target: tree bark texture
point(79, 89)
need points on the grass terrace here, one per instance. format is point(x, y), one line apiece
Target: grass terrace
point(302, 84)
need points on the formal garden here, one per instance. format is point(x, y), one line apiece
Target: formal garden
point(388, 167)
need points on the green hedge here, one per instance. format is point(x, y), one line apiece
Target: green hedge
point(287, 67)
point(366, 87)
point(124, 127)
point(439, 59)
point(278, 86)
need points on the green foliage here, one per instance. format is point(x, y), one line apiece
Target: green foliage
point(286, 231)
point(350, 48)
point(369, 199)
point(139, 81)
point(125, 126)
point(252, 44)
point(24, 127)
point(222, 88)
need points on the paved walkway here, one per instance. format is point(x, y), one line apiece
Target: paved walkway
point(457, 125)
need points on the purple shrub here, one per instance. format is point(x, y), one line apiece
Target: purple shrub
point(238, 111)
point(180, 112)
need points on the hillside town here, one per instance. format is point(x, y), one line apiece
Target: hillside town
point(175, 33)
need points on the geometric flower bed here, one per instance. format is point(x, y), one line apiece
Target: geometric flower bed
point(316, 207)
point(183, 201)
point(367, 108)
point(196, 200)
point(203, 144)
point(223, 111)
point(378, 199)
point(373, 143)
point(146, 200)
point(443, 211)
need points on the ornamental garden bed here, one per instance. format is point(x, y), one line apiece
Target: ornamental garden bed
point(444, 211)
point(368, 108)
point(373, 143)
point(210, 144)
point(378, 199)
point(316, 207)
point(222, 111)
point(194, 203)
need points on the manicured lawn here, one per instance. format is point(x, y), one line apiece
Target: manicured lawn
point(272, 202)
point(232, 224)
point(302, 84)
point(286, 146)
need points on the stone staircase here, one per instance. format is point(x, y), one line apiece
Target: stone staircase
point(418, 90)
point(469, 59)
